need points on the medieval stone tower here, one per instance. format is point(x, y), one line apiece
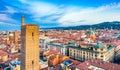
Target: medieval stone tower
point(29, 46)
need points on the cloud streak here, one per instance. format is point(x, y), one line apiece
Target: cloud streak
point(8, 24)
point(91, 15)
point(6, 18)
point(45, 12)
point(64, 15)
point(9, 10)
point(73, 15)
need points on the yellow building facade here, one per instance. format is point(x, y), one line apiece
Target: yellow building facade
point(3, 56)
point(98, 51)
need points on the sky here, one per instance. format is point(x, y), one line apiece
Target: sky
point(57, 13)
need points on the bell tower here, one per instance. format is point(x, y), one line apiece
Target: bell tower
point(29, 46)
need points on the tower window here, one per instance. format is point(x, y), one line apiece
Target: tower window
point(32, 34)
point(32, 62)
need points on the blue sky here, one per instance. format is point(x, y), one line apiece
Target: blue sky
point(54, 13)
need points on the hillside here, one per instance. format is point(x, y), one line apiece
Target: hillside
point(109, 25)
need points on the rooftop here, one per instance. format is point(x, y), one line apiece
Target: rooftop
point(3, 53)
point(31, 25)
point(100, 45)
point(99, 64)
point(15, 62)
point(90, 32)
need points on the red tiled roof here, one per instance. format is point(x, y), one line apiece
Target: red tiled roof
point(99, 63)
point(3, 53)
point(44, 68)
point(52, 52)
point(29, 25)
point(74, 63)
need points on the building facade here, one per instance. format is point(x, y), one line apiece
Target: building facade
point(99, 51)
point(62, 48)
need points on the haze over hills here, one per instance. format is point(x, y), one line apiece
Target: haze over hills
point(108, 25)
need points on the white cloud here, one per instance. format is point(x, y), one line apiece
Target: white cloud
point(6, 18)
point(8, 24)
point(91, 15)
point(23, 1)
point(7, 21)
point(9, 10)
point(40, 9)
point(110, 6)
point(48, 13)
point(72, 15)
point(44, 12)
point(50, 19)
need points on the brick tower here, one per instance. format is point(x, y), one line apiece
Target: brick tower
point(30, 46)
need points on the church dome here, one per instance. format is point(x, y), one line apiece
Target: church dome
point(90, 32)
point(10, 34)
point(99, 45)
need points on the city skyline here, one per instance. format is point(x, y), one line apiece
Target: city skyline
point(52, 13)
point(36, 49)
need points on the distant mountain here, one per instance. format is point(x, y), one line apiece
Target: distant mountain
point(109, 25)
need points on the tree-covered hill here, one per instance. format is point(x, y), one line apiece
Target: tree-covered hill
point(108, 25)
